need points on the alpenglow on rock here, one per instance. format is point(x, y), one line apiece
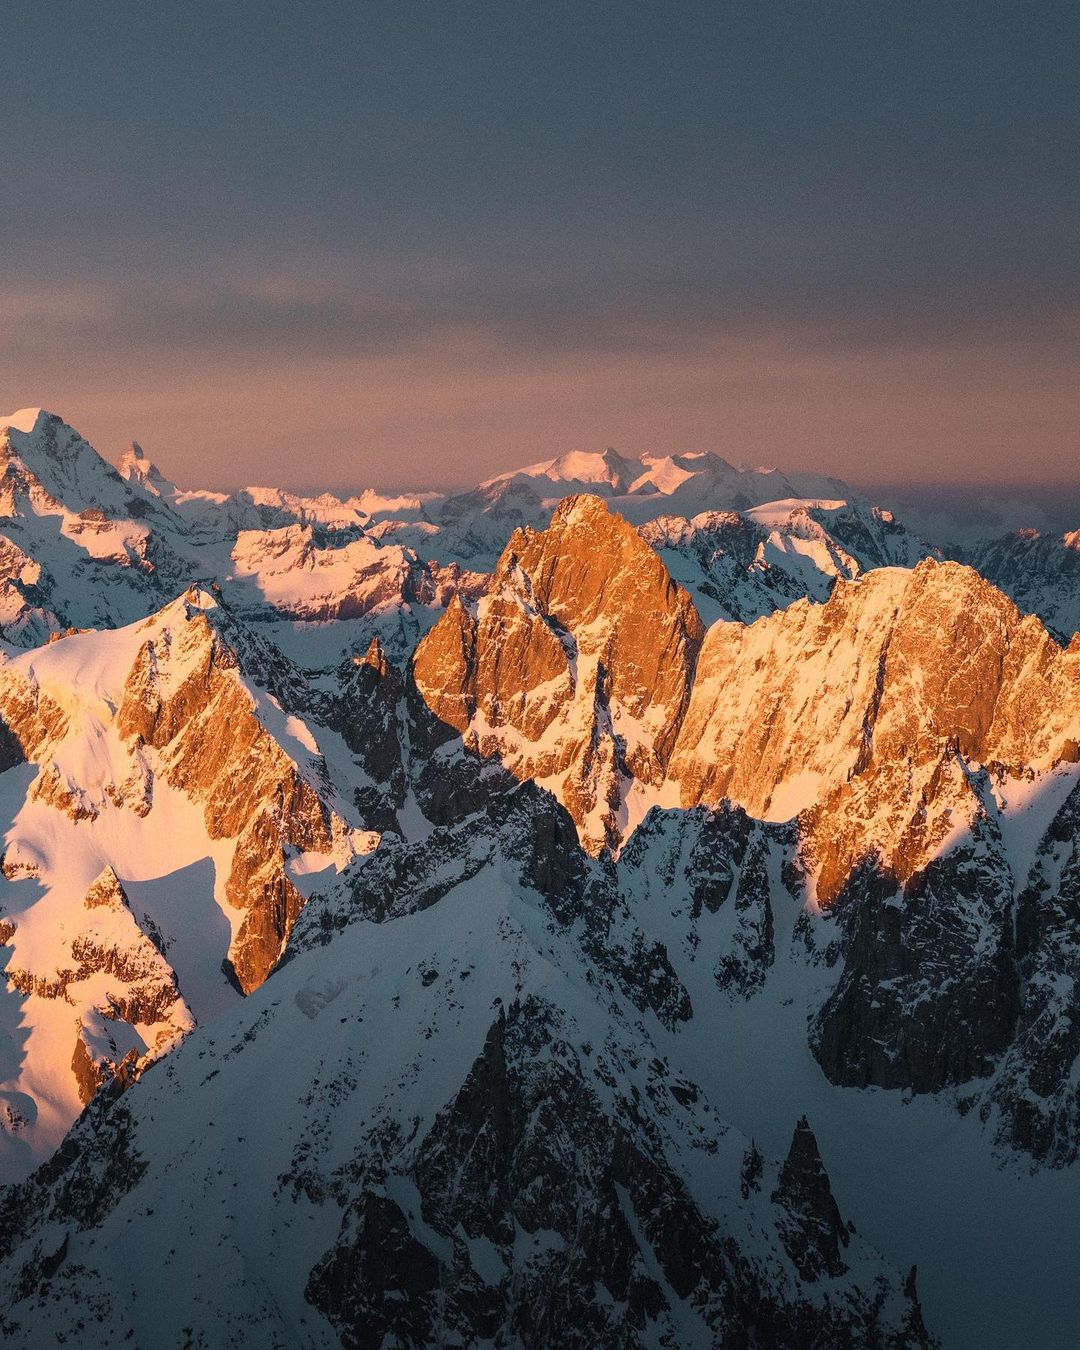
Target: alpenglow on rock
point(574, 669)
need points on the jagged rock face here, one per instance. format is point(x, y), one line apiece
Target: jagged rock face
point(812, 1230)
point(182, 698)
point(1035, 1089)
point(873, 536)
point(576, 667)
point(26, 613)
point(840, 706)
point(32, 721)
point(1040, 574)
point(709, 871)
point(127, 1007)
point(158, 753)
point(858, 714)
point(318, 573)
point(527, 1147)
point(527, 832)
point(854, 712)
point(928, 993)
point(62, 462)
point(367, 711)
point(940, 983)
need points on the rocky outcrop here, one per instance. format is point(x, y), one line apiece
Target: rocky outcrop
point(128, 1006)
point(1038, 572)
point(98, 1060)
point(31, 720)
point(709, 872)
point(565, 1201)
point(184, 698)
point(813, 1233)
point(860, 717)
point(720, 556)
point(929, 992)
point(524, 832)
point(859, 708)
point(366, 710)
point(174, 751)
point(1035, 1091)
point(575, 668)
point(857, 718)
point(582, 676)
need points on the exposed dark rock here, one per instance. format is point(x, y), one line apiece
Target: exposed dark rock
point(928, 994)
point(531, 1197)
point(812, 1230)
point(1035, 1090)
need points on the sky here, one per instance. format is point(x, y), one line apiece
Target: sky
point(340, 244)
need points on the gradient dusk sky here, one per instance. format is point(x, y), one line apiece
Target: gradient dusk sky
point(334, 244)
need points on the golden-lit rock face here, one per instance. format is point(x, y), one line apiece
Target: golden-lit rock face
point(31, 719)
point(217, 751)
point(863, 716)
point(575, 668)
point(186, 717)
point(867, 712)
point(122, 992)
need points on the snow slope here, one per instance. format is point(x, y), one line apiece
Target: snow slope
point(94, 793)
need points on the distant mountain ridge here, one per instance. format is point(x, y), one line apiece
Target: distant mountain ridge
point(129, 539)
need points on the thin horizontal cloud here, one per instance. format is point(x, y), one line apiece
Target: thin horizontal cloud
point(343, 316)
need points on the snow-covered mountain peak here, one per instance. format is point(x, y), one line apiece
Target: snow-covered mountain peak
point(48, 468)
point(769, 513)
point(641, 488)
point(575, 668)
point(135, 466)
point(25, 420)
point(585, 510)
point(577, 466)
point(665, 473)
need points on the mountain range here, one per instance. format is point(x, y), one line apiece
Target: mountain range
point(633, 902)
